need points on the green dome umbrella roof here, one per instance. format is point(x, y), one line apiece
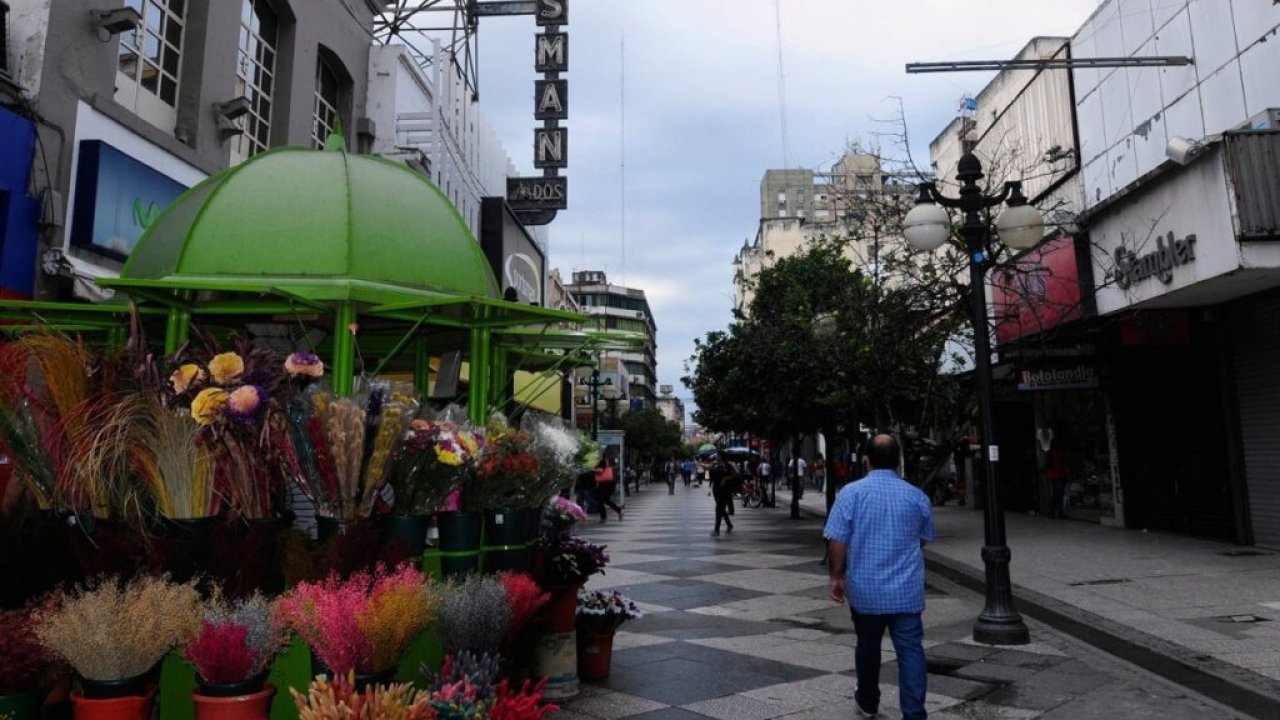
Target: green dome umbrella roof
point(319, 226)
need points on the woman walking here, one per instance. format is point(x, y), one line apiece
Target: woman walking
point(605, 483)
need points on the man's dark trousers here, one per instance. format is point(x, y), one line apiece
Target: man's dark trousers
point(907, 632)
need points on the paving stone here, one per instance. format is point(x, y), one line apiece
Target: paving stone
point(959, 651)
point(992, 673)
point(1023, 659)
point(1119, 700)
point(736, 707)
point(681, 567)
point(1047, 689)
point(684, 595)
point(664, 714)
point(609, 706)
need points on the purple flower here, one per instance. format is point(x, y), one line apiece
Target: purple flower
point(246, 401)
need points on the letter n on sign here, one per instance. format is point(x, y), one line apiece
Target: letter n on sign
point(550, 148)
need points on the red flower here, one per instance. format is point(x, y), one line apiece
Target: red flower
point(221, 652)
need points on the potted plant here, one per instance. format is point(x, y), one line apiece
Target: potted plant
point(26, 666)
point(114, 634)
point(429, 469)
point(566, 562)
point(232, 652)
point(362, 624)
point(600, 614)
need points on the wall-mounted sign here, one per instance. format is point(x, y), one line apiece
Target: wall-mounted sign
point(516, 259)
point(1075, 377)
point(117, 199)
point(538, 199)
point(538, 193)
point(1170, 252)
point(1039, 291)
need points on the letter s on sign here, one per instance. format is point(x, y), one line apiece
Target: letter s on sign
point(550, 9)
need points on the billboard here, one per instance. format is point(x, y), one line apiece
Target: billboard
point(1039, 291)
point(517, 261)
point(117, 199)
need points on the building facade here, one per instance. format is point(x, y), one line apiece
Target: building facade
point(614, 307)
point(671, 407)
point(136, 101)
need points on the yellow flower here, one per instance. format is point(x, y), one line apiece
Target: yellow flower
point(208, 405)
point(226, 368)
point(184, 377)
point(447, 457)
point(468, 442)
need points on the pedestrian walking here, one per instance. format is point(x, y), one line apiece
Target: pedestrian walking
point(722, 478)
point(670, 469)
point(819, 467)
point(876, 534)
point(606, 481)
point(686, 469)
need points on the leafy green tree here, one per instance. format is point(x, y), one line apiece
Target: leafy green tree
point(651, 436)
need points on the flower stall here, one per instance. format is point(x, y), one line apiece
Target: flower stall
point(224, 477)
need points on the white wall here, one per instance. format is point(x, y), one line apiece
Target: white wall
point(1127, 115)
point(28, 32)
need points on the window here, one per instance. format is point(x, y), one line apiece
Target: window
point(255, 77)
point(148, 61)
point(326, 114)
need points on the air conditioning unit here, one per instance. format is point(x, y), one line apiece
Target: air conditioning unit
point(1268, 119)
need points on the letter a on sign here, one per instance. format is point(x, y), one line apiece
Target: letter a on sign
point(550, 148)
point(553, 12)
point(553, 99)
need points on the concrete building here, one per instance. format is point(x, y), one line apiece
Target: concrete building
point(671, 407)
point(614, 307)
point(135, 102)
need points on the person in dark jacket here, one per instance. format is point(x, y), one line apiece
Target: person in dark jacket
point(723, 479)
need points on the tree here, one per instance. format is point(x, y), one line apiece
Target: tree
point(651, 436)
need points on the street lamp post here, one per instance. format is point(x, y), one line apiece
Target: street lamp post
point(1020, 226)
point(594, 385)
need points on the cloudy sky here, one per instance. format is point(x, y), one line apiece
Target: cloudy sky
point(702, 120)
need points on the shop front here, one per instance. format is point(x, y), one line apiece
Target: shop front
point(1066, 436)
point(1185, 264)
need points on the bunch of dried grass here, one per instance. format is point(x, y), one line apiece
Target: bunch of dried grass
point(111, 630)
point(63, 369)
point(176, 468)
point(474, 613)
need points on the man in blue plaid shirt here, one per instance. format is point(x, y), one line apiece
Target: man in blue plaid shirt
point(876, 533)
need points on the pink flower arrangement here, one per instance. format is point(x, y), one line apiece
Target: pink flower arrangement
point(304, 364)
point(245, 401)
point(363, 623)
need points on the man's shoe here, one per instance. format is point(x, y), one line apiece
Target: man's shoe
point(863, 712)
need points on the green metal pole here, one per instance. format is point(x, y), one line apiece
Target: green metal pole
point(475, 398)
point(344, 349)
point(421, 367)
point(171, 324)
point(184, 319)
point(501, 382)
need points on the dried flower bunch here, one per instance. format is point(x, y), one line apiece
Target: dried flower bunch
point(524, 597)
point(339, 700)
point(474, 613)
point(236, 641)
point(344, 448)
point(114, 630)
point(463, 667)
point(434, 458)
point(25, 664)
point(237, 399)
point(462, 699)
point(604, 611)
point(364, 623)
point(571, 559)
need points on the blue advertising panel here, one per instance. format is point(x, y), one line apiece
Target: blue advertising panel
point(117, 199)
point(19, 212)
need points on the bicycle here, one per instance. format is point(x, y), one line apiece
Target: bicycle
point(753, 493)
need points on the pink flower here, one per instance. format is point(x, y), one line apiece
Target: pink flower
point(245, 401)
point(304, 364)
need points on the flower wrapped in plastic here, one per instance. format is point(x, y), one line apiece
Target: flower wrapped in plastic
point(557, 448)
point(604, 611)
point(562, 513)
point(506, 474)
point(570, 559)
point(434, 458)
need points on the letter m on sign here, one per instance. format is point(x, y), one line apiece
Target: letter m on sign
point(551, 148)
point(552, 53)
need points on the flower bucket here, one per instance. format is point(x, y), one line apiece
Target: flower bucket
point(559, 615)
point(251, 686)
point(327, 528)
point(595, 655)
point(363, 680)
point(135, 686)
point(21, 706)
point(459, 542)
point(506, 539)
point(255, 706)
point(130, 707)
point(185, 547)
point(408, 531)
